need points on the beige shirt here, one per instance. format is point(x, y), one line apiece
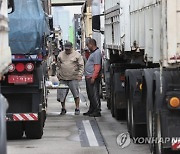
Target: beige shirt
point(71, 66)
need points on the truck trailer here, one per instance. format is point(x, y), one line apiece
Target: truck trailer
point(24, 84)
point(142, 68)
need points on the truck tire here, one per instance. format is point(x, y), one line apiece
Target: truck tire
point(108, 103)
point(150, 127)
point(136, 130)
point(147, 98)
point(112, 99)
point(157, 122)
point(44, 117)
point(34, 129)
point(128, 111)
point(101, 90)
point(135, 108)
point(14, 130)
point(158, 134)
point(119, 114)
point(112, 107)
point(116, 111)
point(129, 117)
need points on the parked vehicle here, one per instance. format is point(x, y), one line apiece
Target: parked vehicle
point(24, 84)
point(142, 68)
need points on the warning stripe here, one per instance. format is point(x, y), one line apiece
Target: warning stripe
point(176, 146)
point(34, 116)
point(25, 117)
point(15, 118)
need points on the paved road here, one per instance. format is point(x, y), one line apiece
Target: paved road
point(72, 134)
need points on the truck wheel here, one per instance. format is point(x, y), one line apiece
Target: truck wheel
point(119, 114)
point(14, 130)
point(129, 117)
point(44, 117)
point(128, 103)
point(116, 111)
point(150, 128)
point(112, 108)
point(137, 130)
point(158, 134)
point(112, 104)
point(100, 90)
point(134, 131)
point(112, 100)
point(108, 103)
point(148, 95)
point(34, 129)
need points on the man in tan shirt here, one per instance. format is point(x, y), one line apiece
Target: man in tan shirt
point(70, 69)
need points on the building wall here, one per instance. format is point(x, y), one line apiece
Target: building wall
point(86, 23)
point(76, 25)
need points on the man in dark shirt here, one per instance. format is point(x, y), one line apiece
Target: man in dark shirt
point(56, 52)
point(92, 74)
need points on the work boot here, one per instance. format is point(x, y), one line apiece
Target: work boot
point(95, 114)
point(77, 112)
point(87, 113)
point(63, 112)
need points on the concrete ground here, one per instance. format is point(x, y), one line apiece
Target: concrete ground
point(72, 134)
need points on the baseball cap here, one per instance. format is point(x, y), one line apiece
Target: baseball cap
point(68, 45)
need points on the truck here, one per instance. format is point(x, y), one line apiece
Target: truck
point(5, 59)
point(24, 84)
point(141, 69)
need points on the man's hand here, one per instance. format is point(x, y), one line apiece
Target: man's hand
point(79, 78)
point(92, 81)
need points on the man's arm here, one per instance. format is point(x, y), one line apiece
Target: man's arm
point(81, 66)
point(58, 66)
point(97, 68)
point(58, 61)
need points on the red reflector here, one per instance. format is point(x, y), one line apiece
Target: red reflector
point(19, 56)
point(20, 79)
point(20, 67)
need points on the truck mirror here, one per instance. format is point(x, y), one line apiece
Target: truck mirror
point(10, 6)
point(96, 23)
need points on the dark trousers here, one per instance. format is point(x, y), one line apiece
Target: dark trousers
point(93, 94)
